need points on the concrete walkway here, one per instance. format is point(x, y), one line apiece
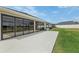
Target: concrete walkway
point(41, 42)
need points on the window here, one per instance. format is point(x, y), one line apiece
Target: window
point(39, 26)
point(26, 26)
point(19, 26)
point(31, 26)
point(14, 26)
point(7, 26)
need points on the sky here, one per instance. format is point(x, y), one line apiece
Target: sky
point(52, 14)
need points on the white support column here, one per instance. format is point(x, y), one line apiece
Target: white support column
point(0, 26)
point(34, 26)
point(45, 25)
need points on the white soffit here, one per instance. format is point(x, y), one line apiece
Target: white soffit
point(18, 14)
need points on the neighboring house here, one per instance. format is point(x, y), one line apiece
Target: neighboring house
point(68, 24)
point(15, 23)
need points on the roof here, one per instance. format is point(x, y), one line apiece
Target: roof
point(16, 13)
point(68, 23)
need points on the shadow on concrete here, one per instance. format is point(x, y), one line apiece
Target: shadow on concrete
point(27, 35)
point(20, 37)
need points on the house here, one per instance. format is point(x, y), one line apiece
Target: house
point(68, 24)
point(15, 23)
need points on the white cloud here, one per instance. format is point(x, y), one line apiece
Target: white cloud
point(75, 19)
point(62, 18)
point(73, 7)
point(55, 12)
point(70, 9)
point(67, 6)
point(64, 6)
point(29, 9)
point(32, 10)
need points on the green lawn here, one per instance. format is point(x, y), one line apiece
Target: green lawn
point(67, 41)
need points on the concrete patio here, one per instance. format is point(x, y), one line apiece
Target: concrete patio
point(39, 42)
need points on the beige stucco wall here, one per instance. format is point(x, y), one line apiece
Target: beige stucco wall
point(67, 26)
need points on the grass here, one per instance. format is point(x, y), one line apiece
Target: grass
point(67, 41)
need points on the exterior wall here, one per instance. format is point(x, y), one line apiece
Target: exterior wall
point(49, 25)
point(67, 26)
point(45, 25)
point(34, 26)
point(0, 27)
